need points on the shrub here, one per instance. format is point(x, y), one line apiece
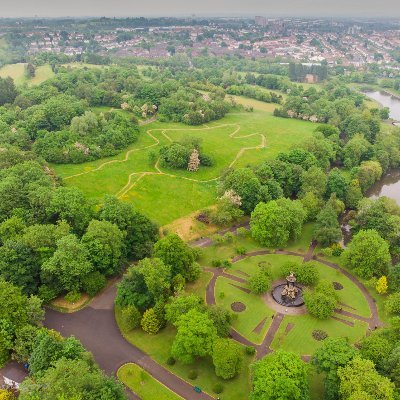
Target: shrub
point(72, 297)
point(337, 249)
point(226, 264)
point(216, 263)
point(217, 388)
point(382, 285)
point(93, 283)
point(6, 395)
point(327, 252)
point(192, 374)
point(243, 232)
point(260, 282)
point(241, 250)
point(319, 335)
point(150, 322)
point(171, 361)
point(250, 350)
point(130, 318)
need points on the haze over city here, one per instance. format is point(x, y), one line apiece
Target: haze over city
point(309, 8)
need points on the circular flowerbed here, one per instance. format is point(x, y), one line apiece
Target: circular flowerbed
point(337, 286)
point(237, 306)
point(319, 335)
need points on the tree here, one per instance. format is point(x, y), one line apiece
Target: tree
point(353, 195)
point(245, 183)
point(72, 380)
point(327, 229)
point(312, 205)
point(392, 303)
point(24, 343)
point(280, 376)
point(336, 183)
point(194, 161)
point(307, 273)
point(357, 149)
point(376, 348)
point(8, 91)
point(69, 204)
point(367, 174)
point(104, 242)
point(157, 277)
point(195, 337)
point(130, 318)
point(277, 221)
point(68, 266)
point(313, 181)
point(150, 322)
point(333, 353)
point(140, 232)
point(180, 305)
point(360, 376)
point(221, 318)
point(382, 285)
point(260, 282)
point(367, 254)
point(322, 301)
point(227, 358)
point(173, 251)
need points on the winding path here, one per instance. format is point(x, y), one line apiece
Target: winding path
point(140, 175)
point(96, 328)
point(265, 347)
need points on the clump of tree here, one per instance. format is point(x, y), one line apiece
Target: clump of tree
point(281, 375)
point(186, 154)
point(322, 300)
point(274, 223)
point(307, 273)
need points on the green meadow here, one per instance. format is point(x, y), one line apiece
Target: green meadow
point(239, 139)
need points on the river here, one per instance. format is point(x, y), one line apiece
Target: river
point(393, 103)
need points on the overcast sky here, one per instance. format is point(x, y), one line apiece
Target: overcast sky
point(118, 8)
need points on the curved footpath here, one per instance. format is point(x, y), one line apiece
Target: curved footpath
point(96, 328)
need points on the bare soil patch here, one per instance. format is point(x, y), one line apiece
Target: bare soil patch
point(238, 306)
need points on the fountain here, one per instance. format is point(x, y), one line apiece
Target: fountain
point(288, 294)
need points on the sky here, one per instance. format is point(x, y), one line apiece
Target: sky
point(134, 8)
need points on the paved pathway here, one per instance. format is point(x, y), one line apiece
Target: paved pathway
point(265, 346)
point(96, 328)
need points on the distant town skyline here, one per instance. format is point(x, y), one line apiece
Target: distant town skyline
point(135, 8)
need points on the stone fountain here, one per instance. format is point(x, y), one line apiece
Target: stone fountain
point(288, 294)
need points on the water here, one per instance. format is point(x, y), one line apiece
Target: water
point(388, 186)
point(393, 103)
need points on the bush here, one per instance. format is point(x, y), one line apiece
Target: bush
point(241, 250)
point(150, 322)
point(216, 263)
point(260, 282)
point(130, 318)
point(250, 350)
point(322, 301)
point(6, 395)
point(93, 283)
point(217, 388)
point(327, 252)
point(319, 335)
point(192, 374)
point(226, 264)
point(243, 232)
point(72, 297)
point(337, 249)
point(171, 361)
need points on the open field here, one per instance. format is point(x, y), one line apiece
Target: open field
point(143, 384)
point(17, 73)
point(252, 137)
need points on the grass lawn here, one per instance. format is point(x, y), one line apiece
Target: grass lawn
point(299, 339)
point(14, 71)
point(17, 72)
point(255, 312)
point(158, 347)
point(151, 193)
point(143, 384)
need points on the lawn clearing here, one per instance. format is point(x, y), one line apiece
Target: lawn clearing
point(166, 194)
point(143, 384)
point(14, 71)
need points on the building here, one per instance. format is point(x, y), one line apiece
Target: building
point(261, 21)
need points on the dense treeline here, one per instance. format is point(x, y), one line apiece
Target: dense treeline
point(53, 241)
